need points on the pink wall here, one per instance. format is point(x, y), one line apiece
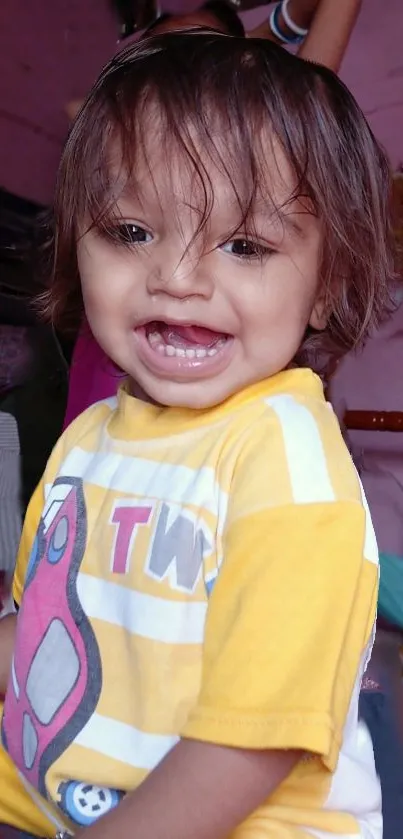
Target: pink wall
point(50, 52)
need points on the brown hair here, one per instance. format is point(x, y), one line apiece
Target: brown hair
point(202, 88)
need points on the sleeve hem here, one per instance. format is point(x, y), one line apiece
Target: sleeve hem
point(310, 732)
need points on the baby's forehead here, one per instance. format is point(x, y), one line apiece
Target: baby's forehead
point(197, 172)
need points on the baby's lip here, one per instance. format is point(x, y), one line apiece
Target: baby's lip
point(179, 322)
point(185, 335)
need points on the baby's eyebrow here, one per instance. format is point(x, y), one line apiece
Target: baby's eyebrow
point(288, 218)
point(291, 217)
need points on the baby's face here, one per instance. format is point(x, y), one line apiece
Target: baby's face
point(192, 317)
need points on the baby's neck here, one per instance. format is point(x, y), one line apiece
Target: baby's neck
point(138, 392)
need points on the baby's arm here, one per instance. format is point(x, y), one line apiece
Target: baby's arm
point(8, 626)
point(200, 790)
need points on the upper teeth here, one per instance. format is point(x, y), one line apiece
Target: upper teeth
point(157, 342)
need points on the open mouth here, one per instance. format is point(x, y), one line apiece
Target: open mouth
point(184, 341)
point(183, 347)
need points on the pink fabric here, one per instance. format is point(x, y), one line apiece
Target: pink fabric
point(92, 376)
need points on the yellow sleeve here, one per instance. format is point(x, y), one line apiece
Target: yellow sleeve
point(287, 625)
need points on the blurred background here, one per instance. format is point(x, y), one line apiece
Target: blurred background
point(51, 52)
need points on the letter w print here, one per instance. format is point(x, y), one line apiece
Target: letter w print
point(180, 545)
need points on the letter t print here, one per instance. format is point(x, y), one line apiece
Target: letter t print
point(126, 518)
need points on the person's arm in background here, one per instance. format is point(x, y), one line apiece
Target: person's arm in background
point(10, 531)
point(8, 626)
point(302, 13)
point(330, 24)
point(330, 32)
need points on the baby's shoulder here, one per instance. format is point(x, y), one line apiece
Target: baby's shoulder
point(293, 452)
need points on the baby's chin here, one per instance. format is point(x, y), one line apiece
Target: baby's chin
point(193, 397)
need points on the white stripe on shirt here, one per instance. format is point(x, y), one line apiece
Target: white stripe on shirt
point(168, 621)
point(370, 545)
point(306, 459)
point(124, 743)
point(147, 478)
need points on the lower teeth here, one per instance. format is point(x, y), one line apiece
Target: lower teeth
point(156, 342)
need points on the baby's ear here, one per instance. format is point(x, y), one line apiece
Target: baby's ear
point(318, 319)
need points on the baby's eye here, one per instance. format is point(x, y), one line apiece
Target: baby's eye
point(246, 249)
point(133, 234)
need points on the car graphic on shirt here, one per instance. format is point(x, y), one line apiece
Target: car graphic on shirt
point(85, 803)
point(56, 672)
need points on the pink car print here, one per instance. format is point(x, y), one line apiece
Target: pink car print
point(56, 673)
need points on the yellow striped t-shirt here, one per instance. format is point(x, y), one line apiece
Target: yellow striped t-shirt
point(206, 574)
